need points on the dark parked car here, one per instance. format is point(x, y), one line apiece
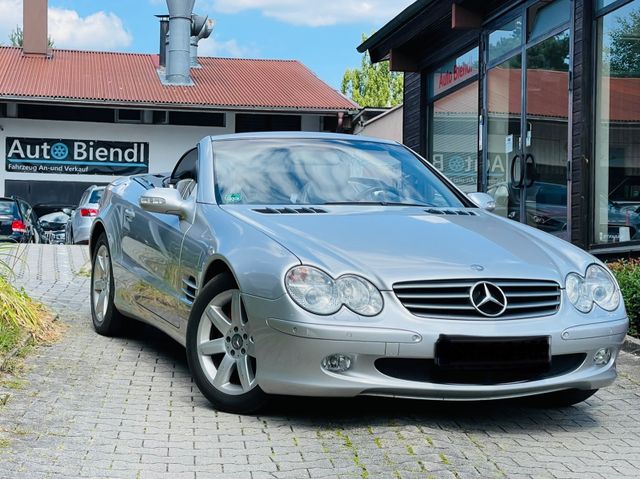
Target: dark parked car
point(18, 222)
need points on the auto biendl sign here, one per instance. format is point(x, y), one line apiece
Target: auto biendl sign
point(79, 157)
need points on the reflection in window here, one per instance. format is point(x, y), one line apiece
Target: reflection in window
point(505, 39)
point(324, 171)
point(545, 16)
point(455, 137)
point(617, 154)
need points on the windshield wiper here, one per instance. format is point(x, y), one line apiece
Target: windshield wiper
point(376, 203)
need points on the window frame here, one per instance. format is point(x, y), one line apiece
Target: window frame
point(592, 245)
point(431, 100)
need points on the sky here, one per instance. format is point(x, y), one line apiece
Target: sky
point(322, 34)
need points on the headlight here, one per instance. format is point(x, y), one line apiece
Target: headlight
point(314, 290)
point(597, 286)
point(359, 295)
point(317, 292)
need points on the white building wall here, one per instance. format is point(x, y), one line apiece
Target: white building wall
point(387, 126)
point(167, 143)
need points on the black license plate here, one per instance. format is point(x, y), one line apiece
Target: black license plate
point(471, 352)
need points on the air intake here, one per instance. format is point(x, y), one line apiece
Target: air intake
point(201, 28)
point(289, 211)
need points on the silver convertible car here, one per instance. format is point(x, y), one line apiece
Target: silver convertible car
point(333, 265)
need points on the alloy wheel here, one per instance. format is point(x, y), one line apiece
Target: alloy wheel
point(225, 345)
point(101, 283)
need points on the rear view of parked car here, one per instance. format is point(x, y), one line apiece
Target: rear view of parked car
point(79, 225)
point(18, 223)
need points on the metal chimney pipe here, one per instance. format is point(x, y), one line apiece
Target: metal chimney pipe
point(179, 41)
point(201, 27)
point(164, 30)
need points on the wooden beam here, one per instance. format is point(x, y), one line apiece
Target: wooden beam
point(464, 19)
point(401, 61)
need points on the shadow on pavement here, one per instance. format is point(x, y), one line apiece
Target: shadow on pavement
point(365, 411)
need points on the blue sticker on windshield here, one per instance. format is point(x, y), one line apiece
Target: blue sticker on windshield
point(233, 198)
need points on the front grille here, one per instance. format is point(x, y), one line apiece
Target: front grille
point(450, 299)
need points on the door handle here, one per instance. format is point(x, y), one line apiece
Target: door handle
point(516, 184)
point(129, 214)
point(530, 178)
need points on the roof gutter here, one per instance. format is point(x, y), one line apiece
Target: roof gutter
point(175, 106)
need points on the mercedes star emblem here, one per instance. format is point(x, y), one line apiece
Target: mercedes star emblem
point(488, 299)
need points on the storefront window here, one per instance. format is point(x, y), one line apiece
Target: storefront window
point(544, 17)
point(454, 121)
point(505, 39)
point(617, 151)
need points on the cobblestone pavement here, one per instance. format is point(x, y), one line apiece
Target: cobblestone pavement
point(91, 406)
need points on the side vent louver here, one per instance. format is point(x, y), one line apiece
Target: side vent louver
point(190, 289)
point(437, 211)
point(289, 211)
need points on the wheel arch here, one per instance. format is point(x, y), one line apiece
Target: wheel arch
point(216, 266)
point(97, 229)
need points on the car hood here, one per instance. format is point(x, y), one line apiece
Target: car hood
point(392, 244)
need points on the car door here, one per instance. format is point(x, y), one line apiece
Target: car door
point(159, 240)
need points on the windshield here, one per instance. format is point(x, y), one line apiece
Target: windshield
point(324, 171)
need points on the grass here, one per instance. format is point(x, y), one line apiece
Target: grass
point(20, 317)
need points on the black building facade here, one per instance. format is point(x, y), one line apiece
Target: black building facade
point(535, 102)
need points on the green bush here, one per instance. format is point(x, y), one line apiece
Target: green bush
point(627, 272)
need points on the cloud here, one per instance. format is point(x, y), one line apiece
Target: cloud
point(318, 13)
point(211, 47)
point(98, 31)
point(10, 16)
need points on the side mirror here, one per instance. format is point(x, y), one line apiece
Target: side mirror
point(167, 201)
point(67, 211)
point(483, 200)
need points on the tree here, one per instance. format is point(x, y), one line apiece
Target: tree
point(624, 50)
point(373, 85)
point(16, 38)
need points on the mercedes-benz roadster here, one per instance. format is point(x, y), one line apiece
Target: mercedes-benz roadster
point(333, 265)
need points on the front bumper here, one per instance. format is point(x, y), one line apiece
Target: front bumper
point(290, 345)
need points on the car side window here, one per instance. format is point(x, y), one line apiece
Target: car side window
point(83, 200)
point(24, 210)
point(186, 168)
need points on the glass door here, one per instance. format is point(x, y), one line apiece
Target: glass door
point(545, 153)
point(527, 105)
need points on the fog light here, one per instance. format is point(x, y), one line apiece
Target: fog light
point(336, 363)
point(602, 356)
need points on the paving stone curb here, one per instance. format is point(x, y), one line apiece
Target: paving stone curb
point(631, 345)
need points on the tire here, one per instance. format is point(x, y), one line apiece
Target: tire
point(220, 347)
point(70, 238)
point(107, 320)
point(560, 399)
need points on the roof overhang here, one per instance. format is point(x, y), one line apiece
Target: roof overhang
point(174, 106)
point(393, 41)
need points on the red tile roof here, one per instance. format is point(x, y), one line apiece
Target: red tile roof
point(97, 77)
